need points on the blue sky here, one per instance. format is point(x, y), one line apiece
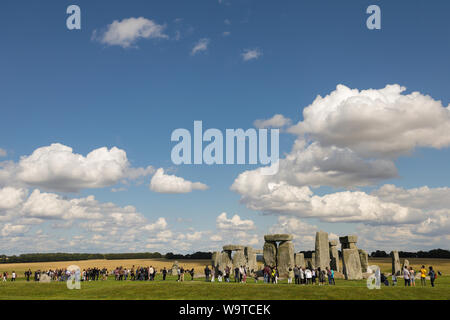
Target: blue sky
point(71, 87)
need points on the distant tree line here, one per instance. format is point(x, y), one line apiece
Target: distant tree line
point(52, 257)
point(435, 253)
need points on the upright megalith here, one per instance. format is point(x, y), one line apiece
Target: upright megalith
point(364, 259)
point(351, 262)
point(216, 259)
point(250, 256)
point(405, 264)
point(395, 262)
point(285, 257)
point(282, 256)
point(299, 259)
point(334, 255)
point(225, 260)
point(174, 269)
point(239, 257)
point(270, 253)
point(322, 252)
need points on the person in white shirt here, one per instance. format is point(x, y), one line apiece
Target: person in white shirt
point(13, 276)
point(407, 277)
point(308, 275)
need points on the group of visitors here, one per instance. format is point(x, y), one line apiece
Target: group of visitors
point(409, 276)
point(270, 274)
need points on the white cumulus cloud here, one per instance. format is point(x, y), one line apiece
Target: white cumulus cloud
point(165, 183)
point(251, 54)
point(201, 45)
point(234, 223)
point(127, 32)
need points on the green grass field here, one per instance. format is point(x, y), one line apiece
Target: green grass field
point(199, 289)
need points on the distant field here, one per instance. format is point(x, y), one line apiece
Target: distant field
point(199, 289)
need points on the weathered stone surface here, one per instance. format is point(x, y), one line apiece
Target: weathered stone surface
point(174, 269)
point(364, 259)
point(239, 259)
point(348, 242)
point(215, 258)
point(285, 257)
point(258, 251)
point(225, 260)
point(278, 237)
point(309, 263)
point(351, 264)
point(348, 239)
point(250, 256)
point(322, 250)
point(395, 262)
point(333, 243)
point(334, 256)
point(299, 259)
point(313, 260)
point(270, 253)
point(232, 247)
point(405, 264)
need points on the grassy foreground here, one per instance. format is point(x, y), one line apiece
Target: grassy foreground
point(199, 289)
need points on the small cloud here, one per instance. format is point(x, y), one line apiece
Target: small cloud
point(277, 121)
point(125, 33)
point(201, 45)
point(250, 54)
point(226, 33)
point(165, 183)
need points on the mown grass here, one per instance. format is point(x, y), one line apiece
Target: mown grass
point(199, 289)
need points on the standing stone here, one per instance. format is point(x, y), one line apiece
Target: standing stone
point(270, 253)
point(322, 250)
point(250, 256)
point(405, 264)
point(285, 257)
point(334, 256)
point(239, 259)
point(174, 269)
point(395, 262)
point(225, 260)
point(348, 242)
point(215, 259)
point(364, 258)
point(299, 259)
point(351, 264)
point(313, 260)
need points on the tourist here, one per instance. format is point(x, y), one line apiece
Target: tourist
point(164, 273)
point(394, 279)
point(241, 273)
point(5, 276)
point(219, 275)
point(182, 274)
point(179, 274)
point(406, 276)
point(321, 276)
point(291, 275)
point(266, 273)
point(207, 273)
point(432, 275)
point(308, 276)
point(313, 276)
point(302, 275)
point(213, 274)
point(423, 275)
point(296, 274)
point(227, 273)
point(236, 275)
point(255, 275)
point(192, 274)
point(13, 276)
point(412, 276)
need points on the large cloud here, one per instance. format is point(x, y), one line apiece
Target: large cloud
point(382, 122)
point(125, 33)
point(58, 168)
point(165, 183)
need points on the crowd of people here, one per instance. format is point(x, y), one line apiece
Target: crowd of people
point(410, 275)
point(269, 274)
